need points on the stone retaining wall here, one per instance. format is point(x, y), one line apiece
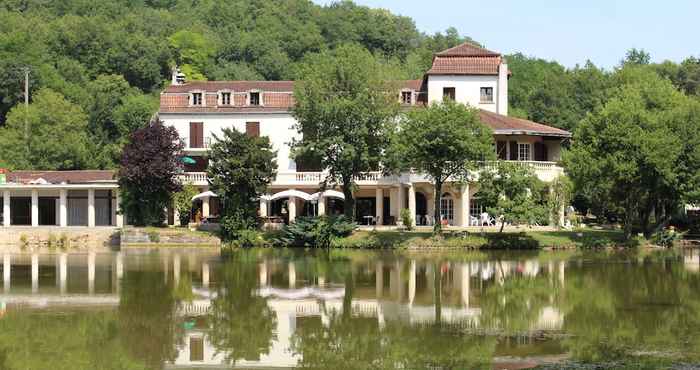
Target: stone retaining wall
point(20, 237)
point(132, 236)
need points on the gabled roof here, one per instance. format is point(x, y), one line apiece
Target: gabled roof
point(467, 49)
point(505, 125)
point(465, 59)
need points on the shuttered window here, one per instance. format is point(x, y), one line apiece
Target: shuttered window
point(252, 129)
point(196, 135)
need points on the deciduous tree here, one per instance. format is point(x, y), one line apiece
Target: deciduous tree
point(240, 169)
point(148, 173)
point(344, 110)
point(444, 141)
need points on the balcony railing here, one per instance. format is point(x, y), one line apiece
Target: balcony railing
point(206, 143)
point(545, 171)
point(194, 178)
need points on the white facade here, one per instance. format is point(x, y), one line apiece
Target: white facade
point(278, 127)
point(467, 90)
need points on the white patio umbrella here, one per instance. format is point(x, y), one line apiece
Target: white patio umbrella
point(206, 194)
point(328, 194)
point(291, 193)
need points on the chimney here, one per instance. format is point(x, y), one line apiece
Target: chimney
point(178, 77)
point(502, 103)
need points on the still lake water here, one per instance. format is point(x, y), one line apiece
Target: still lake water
point(192, 309)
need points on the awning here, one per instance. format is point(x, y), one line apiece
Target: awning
point(206, 194)
point(328, 194)
point(291, 193)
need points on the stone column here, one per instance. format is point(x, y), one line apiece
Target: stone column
point(400, 200)
point(119, 216)
point(464, 206)
point(205, 207)
point(6, 208)
point(35, 207)
point(263, 208)
point(292, 208)
point(379, 207)
point(35, 273)
point(63, 208)
point(6, 271)
point(321, 205)
point(91, 207)
point(412, 203)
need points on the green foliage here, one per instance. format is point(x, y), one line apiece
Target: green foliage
point(636, 156)
point(316, 232)
point(154, 236)
point(444, 141)
point(240, 169)
point(560, 191)
point(113, 58)
point(666, 237)
point(49, 135)
point(512, 192)
point(406, 218)
point(344, 114)
point(238, 227)
point(183, 202)
point(148, 173)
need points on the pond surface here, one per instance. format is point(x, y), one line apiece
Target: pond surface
point(193, 309)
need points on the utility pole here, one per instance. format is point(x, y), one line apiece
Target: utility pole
point(26, 108)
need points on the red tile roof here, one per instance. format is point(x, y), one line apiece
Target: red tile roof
point(467, 49)
point(58, 177)
point(237, 86)
point(505, 125)
point(465, 66)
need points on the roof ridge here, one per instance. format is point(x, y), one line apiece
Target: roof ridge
point(479, 50)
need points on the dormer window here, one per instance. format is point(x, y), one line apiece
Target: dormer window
point(407, 97)
point(487, 94)
point(225, 98)
point(254, 98)
point(196, 98)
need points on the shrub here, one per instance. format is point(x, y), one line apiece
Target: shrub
point(511, 241)
point(154, 236)
point(234, 226)
point(593, 242)
point(248, 238)
point(406, 219)
point(666, 238)
point(316, 232)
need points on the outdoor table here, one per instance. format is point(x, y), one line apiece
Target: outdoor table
point(369, 219)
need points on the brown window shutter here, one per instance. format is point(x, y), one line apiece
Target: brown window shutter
point(252, 129)
point(513, 150)
point(540, 152)
point(196, 134)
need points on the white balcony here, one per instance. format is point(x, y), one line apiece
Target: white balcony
point(545, 171)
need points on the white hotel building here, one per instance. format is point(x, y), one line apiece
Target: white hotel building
point(465, 73)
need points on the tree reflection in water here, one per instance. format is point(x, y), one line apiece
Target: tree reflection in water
point(241, 322)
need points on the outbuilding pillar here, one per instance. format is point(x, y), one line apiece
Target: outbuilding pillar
point(464, 206)
point(6, 208)
point(379, 207)
point(292, 208)
point(412, 203)
point(91, 207)
point(35, 208)
point(63, 208)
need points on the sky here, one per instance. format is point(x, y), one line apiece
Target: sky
point(567, 31)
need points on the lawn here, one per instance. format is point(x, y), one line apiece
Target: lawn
point(487, 240)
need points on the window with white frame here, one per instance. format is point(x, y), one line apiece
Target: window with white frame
point(407, 97)
point(487, 94)
point(254, 98)
point(475, 208)
point(196, 98)
point(225, 98)
point(447, 208)
point(523, 151)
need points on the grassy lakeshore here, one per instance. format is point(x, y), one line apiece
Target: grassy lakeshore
point(485, 240)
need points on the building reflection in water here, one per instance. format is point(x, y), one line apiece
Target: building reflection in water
point(294, 293)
